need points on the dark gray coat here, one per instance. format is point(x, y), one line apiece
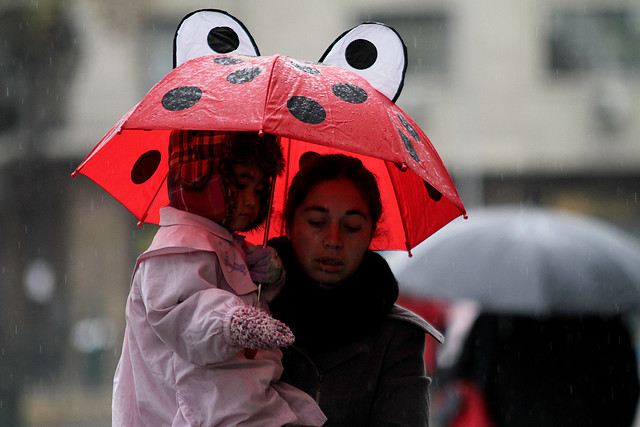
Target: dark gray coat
point(378, 380)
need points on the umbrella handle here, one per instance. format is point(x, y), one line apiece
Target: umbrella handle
point(272, 191)
point(250, 353)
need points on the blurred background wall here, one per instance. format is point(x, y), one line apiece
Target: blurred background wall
point(531, 102)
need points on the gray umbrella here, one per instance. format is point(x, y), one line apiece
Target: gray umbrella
point(527, 260)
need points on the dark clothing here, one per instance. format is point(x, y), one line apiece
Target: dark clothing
point(558, 371)
point(359, 355)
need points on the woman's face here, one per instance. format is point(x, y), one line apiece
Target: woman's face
point(331, 231)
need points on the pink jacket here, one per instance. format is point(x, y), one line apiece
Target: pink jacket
point(178, 367)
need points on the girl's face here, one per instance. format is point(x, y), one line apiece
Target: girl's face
point(331, 231)
point(250, 186)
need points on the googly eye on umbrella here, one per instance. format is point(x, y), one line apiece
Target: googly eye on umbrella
point(374, 51)
point(211, 32)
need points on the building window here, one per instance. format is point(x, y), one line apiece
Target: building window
point(582, 40)
point(426, 36)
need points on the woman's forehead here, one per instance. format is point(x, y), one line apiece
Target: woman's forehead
point(333, 195)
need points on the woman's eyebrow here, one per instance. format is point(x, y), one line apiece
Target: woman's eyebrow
point(316, 208)
point(324, 210)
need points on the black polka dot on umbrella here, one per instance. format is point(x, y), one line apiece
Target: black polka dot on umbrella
point(145, 166)
point(433, 193)
point(243, 76)
point(305, 68)
point(227, 60)
point(409, 146)
point(181, 98)
point(409, 128)
point(223, 40)
point(361, 54)
point(306, 110)
point(349, 93)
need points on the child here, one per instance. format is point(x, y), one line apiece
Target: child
point(191, 309)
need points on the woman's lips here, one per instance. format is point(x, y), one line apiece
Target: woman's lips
point(329, 264)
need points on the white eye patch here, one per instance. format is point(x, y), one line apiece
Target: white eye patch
point(374, 51)
point(211, 32)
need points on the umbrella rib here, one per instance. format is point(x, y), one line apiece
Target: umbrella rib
point(146, 211)
point(266, 97)
point(395, 194)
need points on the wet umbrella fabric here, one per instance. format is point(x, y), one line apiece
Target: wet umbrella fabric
point(530, 261)
point(310, 105)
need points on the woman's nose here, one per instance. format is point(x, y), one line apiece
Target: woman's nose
point(333, 237)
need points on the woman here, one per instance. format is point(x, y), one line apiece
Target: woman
point(359, 355)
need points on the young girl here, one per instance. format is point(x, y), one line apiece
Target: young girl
point(192, 311)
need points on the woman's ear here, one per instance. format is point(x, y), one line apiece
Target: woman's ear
point(211, 32)
point(307, 158)
point(374, 51)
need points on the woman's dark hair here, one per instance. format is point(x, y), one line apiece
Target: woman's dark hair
point(328, 168)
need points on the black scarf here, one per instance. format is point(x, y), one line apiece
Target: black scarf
point(324, 319)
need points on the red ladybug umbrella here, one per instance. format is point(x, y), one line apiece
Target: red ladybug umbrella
point(311, 106)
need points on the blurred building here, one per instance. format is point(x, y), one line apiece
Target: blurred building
point(528, 101)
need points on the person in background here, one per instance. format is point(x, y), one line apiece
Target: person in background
point(558, 370)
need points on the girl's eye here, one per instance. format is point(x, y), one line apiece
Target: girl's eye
point(316, 224)
point(352, 229)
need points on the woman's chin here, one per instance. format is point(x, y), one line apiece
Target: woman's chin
point(326, 280)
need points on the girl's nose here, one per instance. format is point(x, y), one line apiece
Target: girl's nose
point(250, 199)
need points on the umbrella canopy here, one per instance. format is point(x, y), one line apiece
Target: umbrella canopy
point(328, 108)
point(345, 104)
point(530, 261)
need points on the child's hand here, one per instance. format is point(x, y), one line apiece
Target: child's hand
point(251, 327)
point(264, 263)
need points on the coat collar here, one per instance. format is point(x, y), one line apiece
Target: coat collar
point(170, 216)
point(401, 313)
